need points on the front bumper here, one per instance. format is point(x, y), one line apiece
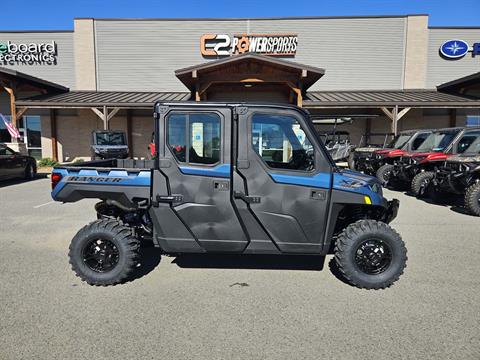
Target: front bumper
point(391, 211)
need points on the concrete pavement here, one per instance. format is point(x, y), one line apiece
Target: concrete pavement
point(235, 308)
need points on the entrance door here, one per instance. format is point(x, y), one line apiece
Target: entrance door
point(286, 178)
point(195, 171)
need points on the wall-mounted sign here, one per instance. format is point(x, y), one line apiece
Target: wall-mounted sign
point(28, 53)
point(266, 44)
point(456, 49)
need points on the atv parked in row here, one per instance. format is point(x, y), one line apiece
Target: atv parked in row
point(382, 160)
point(359, 158)
point(233, 179)
point(417, 168)
point(460, 174)
point(338, 145)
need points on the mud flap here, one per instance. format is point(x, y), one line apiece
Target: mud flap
point(391, 211)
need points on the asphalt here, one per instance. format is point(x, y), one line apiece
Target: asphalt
point(233, 308)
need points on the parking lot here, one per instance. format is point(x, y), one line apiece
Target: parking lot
point(195, 307)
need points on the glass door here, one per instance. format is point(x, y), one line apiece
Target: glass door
point(30, 129)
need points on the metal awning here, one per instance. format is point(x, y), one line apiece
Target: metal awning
point(387, 98)
point(110, 99)
point(22, 79)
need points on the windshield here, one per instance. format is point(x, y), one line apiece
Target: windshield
point(474, 147)
point(437, 141)
point(399, 141)
point(110, 138)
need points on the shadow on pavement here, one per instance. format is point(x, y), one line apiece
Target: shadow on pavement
point(266, 262)
point(5, 183)
point(150, 257)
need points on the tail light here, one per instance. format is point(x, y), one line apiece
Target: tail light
point(56, 177)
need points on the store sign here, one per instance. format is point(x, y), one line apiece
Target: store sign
point(265, 44)
point(28, 53)
point(457, 49)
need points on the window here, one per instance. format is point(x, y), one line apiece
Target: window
point(467, 140)
point(5, 151)
point(419, 140)
point(281, 142)
point(199, 133)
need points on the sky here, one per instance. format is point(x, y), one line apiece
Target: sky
point(59, 14)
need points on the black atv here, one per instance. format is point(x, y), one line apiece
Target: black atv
point(460, 174)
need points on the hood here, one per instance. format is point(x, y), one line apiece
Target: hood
point(391, 152)
point(352, 181)
point(367, 149)
point(464, 158)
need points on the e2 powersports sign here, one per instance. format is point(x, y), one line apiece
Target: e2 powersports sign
point(456, 49)
point(265, 44)
point(28, 53)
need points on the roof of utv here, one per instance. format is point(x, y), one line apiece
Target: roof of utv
point(209, 104)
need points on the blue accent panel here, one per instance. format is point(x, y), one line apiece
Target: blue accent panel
point(355, 182)
point(142, 178)
point(217, 171)
point(320, 180)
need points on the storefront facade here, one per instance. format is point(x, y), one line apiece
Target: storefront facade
point(375, 66)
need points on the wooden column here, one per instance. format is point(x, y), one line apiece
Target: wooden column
point(13, 112)
point(129, 133)
point(53, 133)
point(453, 117)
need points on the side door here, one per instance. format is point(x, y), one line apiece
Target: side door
point(286, 178)
point(194, 178)
point(8, 163)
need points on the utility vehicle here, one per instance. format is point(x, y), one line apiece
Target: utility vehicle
point(417, 168)
point(236, 179)
point(338, 144)
point(381, 160)
point(109, 144)
point(460, 174)
point(366, 147)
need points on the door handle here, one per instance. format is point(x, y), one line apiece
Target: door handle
point(246, 198)
point(169, 199)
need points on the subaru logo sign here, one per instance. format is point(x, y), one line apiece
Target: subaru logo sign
point(454, 49)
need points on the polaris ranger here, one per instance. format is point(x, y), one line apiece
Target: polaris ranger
point(460, 174)
point(108, 144)
point(416, 168)
point(236, 179)
point(381, 160)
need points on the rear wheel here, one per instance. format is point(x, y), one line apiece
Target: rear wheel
point(472, 199)
point(370, 254)
point(104, 252)
point(421, 183)
point(384, 174)
point(29, 172)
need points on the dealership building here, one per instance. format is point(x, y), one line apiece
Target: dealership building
point(385, 73)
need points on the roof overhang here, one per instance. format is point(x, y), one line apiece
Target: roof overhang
point(28, 82)
point(468, 86)
point(387, 98)
point(249, 67)
point(110, 99)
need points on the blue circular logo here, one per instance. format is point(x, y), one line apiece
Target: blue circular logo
point(454, 49)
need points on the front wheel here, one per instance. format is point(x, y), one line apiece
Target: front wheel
point(30, 172)
point(421, 182)
point(384, 173)
point(104, 252)
point(370, 254)
point(472, 199)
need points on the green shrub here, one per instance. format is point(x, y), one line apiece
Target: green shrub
point(78, 161)
point(47, 162)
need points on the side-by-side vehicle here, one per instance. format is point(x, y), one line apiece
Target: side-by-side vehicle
point(232, 179)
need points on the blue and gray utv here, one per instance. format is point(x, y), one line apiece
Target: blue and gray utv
point(232, 179)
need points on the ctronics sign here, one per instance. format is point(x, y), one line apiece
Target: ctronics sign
point(266, 44)
point(28, 53)
point(457, 49)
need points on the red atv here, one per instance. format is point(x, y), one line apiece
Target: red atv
point(381, 161)
point(417, 168)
